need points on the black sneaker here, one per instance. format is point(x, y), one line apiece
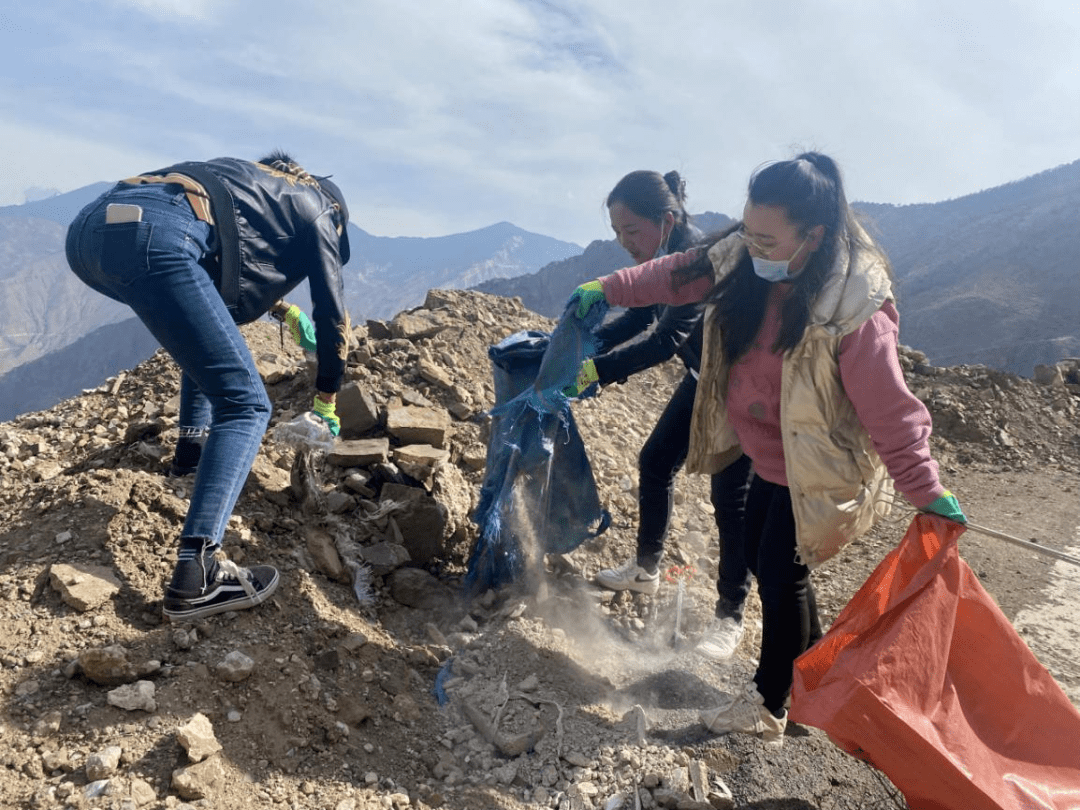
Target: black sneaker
point(228, 587)
point(180, 471)
point(186, 458)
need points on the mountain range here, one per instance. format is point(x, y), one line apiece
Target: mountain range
point(60, 337)
point(993, 277)
point(988, 278)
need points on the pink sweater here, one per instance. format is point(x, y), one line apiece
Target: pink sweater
point(898, 423)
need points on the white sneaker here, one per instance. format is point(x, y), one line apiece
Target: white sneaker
point(720, 639)
point(746, 713)
point(629, 577)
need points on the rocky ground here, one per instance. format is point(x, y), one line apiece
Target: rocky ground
point(368, 681)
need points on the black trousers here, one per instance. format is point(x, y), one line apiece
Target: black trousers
point(790, 622)
point(661, 458)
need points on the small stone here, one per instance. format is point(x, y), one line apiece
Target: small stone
point(354, 641)
point(103, 763)
point(95, 789)
point(27, 688)
point(198, 781)
point(107, 666)
point(83, 587)
point(138, 696)
point(53, 761)
point(530, 684)
point(197, 738)
point(577, 759)
point(235, 667)
point(142, 792)
point(587, 789)
point(48, 724)
point(185, 639)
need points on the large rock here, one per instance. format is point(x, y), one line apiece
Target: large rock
point(1049, 375)
point(421, 519)
point(412, 425)
point(420, 461)
point(359, 452)
point(419, 589)
point(356, 410)
point(420, 323)
point(324, 552)
point(110, 666)
point(434, 374)
point(84, 586)
point(382, 558)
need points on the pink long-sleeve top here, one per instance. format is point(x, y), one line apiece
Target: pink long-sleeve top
point(898, 423)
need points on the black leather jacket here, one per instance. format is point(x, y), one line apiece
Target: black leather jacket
point(675, 330)
point(288, 231)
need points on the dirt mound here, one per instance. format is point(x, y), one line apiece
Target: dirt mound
point(368, 681)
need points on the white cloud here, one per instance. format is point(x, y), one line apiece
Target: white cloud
point(529, 110)
point(73, 161)
point(171, 9)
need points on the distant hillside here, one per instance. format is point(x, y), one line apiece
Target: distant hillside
point(546, 291)
point(60, 208)
point(991, 278)
point(44, 307)
point(65, 373)
point(46, 310)
point(389, 274)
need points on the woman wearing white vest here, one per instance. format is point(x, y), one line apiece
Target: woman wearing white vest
point(800, 372)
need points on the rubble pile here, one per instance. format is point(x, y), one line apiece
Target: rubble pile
point(989, 417)
point(368, 681)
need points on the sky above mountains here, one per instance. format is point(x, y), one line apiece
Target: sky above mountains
point(439, 118)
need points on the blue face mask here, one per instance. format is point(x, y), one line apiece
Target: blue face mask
point(772, 270)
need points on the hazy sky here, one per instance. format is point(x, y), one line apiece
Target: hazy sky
point(441, 117)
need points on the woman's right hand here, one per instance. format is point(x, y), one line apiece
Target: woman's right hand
point(948, 507)
point(589, 293)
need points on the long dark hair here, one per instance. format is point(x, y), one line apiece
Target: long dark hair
point(652, 195)
point(810, 191)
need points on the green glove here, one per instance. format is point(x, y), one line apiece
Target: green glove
point(948, 507)
point(327, 411)
point(300, 328)
point(586, 295)
point(586, 376)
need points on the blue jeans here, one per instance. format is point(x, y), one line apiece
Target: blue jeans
point(153, 267)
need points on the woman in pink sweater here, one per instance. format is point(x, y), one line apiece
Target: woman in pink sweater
point(801, 373)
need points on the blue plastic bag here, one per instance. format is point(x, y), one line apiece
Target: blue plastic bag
point(539, 495)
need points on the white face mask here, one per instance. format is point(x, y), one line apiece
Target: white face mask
point(772, 270)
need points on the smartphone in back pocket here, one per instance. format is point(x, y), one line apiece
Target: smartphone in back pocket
point(120, 212)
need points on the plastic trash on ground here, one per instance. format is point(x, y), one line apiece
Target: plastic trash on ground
point(305, 432)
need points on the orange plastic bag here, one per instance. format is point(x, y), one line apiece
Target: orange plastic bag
point(922, 676)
